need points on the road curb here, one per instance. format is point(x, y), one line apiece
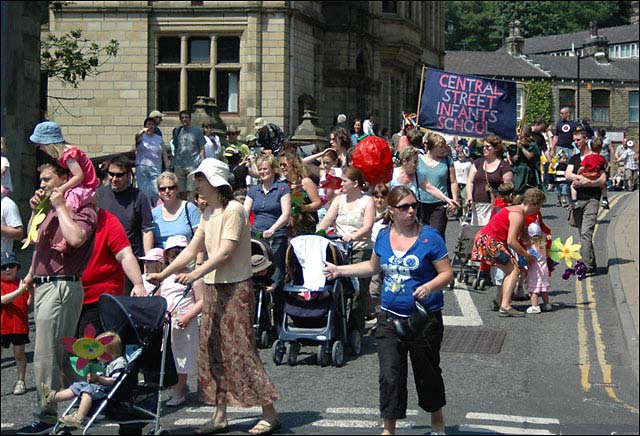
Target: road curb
point(624, 313)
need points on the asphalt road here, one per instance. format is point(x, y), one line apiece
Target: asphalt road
point(563, 372)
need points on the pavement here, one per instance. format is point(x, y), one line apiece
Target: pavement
point(622, 247)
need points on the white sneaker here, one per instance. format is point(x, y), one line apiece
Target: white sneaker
point(533, 309)
point(175, 401)
point(19, 388)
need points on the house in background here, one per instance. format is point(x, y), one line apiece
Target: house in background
point(271, 59)
point(608, 72)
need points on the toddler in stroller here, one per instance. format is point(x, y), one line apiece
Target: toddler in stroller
point(320, 319)
point(142, 324)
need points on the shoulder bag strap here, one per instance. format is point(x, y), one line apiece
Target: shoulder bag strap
point(186, 211)
point(486, 177)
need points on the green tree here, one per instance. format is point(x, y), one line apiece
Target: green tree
point(483, 25)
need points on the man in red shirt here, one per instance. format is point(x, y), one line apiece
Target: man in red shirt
point(112, 258)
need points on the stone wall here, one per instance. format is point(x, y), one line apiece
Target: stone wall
point(21, 94)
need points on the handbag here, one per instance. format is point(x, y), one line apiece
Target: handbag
point(572, 218)
point(412, 327)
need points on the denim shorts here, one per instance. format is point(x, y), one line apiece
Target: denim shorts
point(563, 188)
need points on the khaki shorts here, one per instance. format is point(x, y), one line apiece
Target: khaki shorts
point(186, 183)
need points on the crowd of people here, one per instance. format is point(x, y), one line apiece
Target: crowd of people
point(181, 216)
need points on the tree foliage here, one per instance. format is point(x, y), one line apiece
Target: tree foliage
point(70, 58)
point(538, 101)
point(483, 25)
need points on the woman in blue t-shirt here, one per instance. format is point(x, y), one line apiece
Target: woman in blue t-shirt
point(174, 216)
point(415, 266)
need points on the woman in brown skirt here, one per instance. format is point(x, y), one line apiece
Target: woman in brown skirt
point(229, 368)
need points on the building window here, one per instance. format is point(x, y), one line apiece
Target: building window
point(390, 7)
point(567, 99)
point(600, 106)
point(187, 67)
point(519, 103)
point(624, 51)
point(633, 106)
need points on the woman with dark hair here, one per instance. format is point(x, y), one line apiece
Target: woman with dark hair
point(487, 173)
point(229, 368)
point(357, 131)
point(526, 164)
point(353, 213)
point(436, 168)
point(305, 200)
point(152, 154)
point(416, 268)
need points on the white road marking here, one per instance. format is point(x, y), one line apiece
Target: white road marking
point(7, 425)
point(362, 411)
point(512, 418)
point(209, 409)
point(201, 421)
point(470, 315)
point(502, 430)
point(355, 423)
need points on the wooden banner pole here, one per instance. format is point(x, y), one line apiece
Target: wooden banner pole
point(420, 97)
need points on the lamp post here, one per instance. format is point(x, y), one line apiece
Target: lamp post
point(597, 55)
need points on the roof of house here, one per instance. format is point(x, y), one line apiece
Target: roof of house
point(565, 67)
point(556, 43)
point(490, 64)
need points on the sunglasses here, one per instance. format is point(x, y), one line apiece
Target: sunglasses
point(8, 266)
point(284, 165)
point(117, 175)
point(405, 207)
point(167, 188)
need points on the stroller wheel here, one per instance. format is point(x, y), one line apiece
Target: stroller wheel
point(355, 341)
point(278, 352)
point(322, 354)
point(264, 339)
point(337, 354)
point(292, 353)
point(481, 284)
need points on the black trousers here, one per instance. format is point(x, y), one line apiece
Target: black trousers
point(434, 215)
point(424, 352)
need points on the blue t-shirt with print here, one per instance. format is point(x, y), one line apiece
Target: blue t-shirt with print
point(402, 275)
point(266, 207)
point(564, 132)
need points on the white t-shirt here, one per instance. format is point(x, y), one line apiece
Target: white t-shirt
point(6, 177)
point(462, 170)
point(11, 218)
point(149, 151)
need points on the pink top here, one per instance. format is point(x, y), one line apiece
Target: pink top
point(91, 180)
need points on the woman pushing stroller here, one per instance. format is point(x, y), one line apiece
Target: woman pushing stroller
point(416, 268)
point(229, 368)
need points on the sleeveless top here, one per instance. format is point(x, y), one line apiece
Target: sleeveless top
point(498, 226)
point(349, 221)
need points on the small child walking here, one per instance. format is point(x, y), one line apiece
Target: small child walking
point(80, 189)
point(538, 272)
point(95, 388)
point(184, 309)
point(14, 317)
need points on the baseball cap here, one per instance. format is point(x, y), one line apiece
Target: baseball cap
point(250, 138)
point(176, 241)
point(48, 132)
point(534, 229)
point(10, 259)
point(259, 123)
point(154, 114)
point(215, 171)
point(154, 255)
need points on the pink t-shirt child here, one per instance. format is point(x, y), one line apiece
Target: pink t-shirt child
point(83, 193)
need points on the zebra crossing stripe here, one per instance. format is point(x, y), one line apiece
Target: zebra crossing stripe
point(502, 429)
point(470, 315)
point(355, 423)
point(209, 409)
point(7, 425)
point(194, 422)
point(512, 418)
point(362, 411)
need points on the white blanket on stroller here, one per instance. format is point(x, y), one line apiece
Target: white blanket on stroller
point(311, 253)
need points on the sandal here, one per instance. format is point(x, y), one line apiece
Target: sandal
point(266, 427)
point(212, 427)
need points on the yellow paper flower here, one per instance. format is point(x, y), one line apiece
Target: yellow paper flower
point(38, 218)
point(567, 251)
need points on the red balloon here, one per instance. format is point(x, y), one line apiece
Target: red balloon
point(373, 157)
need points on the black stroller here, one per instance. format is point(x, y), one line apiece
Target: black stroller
point(144, 327)
point(262, 266)
point(321, 318)
point(467, 270)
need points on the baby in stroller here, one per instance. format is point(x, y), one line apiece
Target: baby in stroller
point(96, 386)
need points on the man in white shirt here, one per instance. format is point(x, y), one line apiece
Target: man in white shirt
point(11, 224)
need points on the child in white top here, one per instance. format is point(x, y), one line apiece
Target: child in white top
point(538, 272)
point(184, 327)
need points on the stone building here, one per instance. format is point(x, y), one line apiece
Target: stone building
point(20, 107)
point(273, 59)
point(587, 72)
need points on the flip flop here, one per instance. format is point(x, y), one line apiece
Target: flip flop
point(266, 427)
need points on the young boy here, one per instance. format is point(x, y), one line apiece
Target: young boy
point(15, 319)
point(591, 167)
point(95, 386)
point(561, 181)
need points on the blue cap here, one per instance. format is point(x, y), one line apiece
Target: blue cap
point(9, 258)
point(47, 132)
